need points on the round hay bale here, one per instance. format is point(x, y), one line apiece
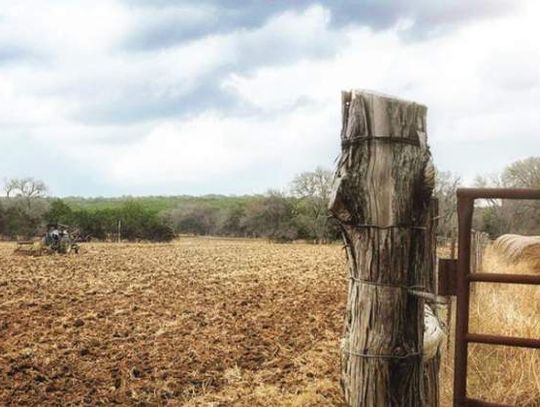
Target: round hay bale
point(515, 248)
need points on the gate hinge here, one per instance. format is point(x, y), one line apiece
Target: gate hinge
point(447, 277)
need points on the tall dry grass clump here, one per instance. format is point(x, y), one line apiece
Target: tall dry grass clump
point(496, 373)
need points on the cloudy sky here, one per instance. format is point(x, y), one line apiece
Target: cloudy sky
point(113, 97)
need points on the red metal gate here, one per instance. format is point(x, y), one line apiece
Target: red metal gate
point(466, 198)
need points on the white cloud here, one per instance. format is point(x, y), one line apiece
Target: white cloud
point(64, 29)
point(212, 146)
point(481, 83)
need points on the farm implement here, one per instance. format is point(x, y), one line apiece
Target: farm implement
point(57, 239)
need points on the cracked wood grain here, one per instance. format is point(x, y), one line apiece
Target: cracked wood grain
point(381, 198)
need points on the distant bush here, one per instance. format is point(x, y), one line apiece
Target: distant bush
point(160, 233)
point(18, 223)
point(135, 221)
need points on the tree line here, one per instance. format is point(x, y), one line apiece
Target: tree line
point(495, 217)
point(300, 212)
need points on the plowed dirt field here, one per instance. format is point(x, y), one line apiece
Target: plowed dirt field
point(215, 322)
point(197, 322)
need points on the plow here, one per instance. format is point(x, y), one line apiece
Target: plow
point(57, 239)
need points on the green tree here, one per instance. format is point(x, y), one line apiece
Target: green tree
point(18, 223)
point(59, 212)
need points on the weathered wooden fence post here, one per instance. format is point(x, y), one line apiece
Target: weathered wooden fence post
point(381, 198)
point(431, 394)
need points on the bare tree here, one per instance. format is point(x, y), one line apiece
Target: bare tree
point(525, 215)
point(314, 189)
point(313, 184)
point(523, 174)
point(512, 216)
point(10, 185)
point(446, 185)
point(271, 216)
point(28, 189)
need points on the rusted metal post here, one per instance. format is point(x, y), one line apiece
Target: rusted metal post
point(465, 214)
point(466, 197)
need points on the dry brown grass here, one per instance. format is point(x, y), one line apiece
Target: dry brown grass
point(209, 323)
point(502, 374)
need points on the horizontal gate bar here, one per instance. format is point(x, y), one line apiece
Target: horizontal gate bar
point(503, 340)
point(498, 193)
point(480, 403)
point(504, 278)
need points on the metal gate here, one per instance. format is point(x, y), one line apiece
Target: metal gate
point(461, 288)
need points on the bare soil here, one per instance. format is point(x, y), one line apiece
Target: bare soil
point(196, 322)
point(215, 322)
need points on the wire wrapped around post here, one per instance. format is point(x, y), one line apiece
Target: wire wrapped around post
point(381, 198)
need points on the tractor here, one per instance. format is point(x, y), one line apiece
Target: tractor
point(57, 239)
